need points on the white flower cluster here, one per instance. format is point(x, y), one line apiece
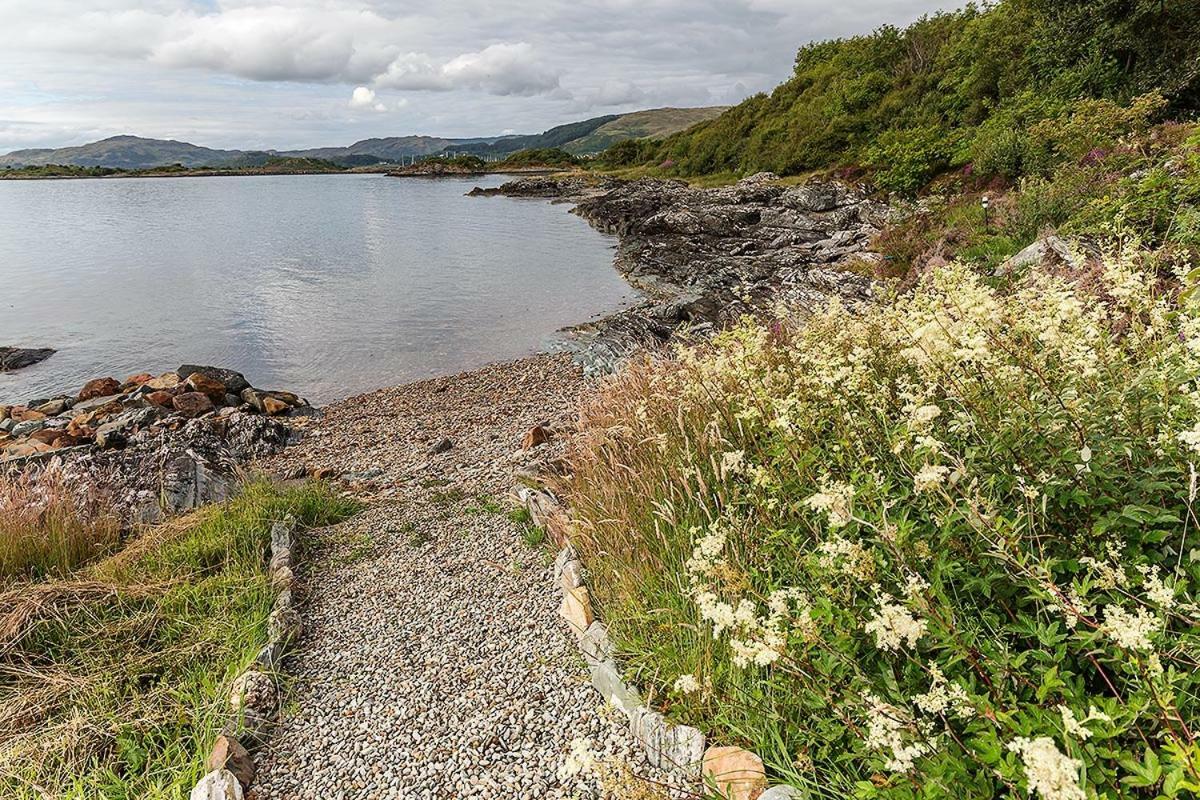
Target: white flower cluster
point(686, 684)
point(840, 556)
point(944, 697)
point(930, 477)
point(1131, 630)
point(1075, 726)
point(893, 625)
point(834, 499)
point(1048, 771)
point(754, 639)
point(893, 732)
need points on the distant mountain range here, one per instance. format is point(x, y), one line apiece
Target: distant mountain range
point(580, 138)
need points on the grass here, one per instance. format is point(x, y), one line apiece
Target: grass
point(114, 680)
point(532, 535)
point(49, 528)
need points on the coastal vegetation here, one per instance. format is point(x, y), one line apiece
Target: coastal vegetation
point(979, 86)
point(943, 543)
point(114, 677)
point(273, 165)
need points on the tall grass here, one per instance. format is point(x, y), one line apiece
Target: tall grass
point(940, 546)
point(49, 526)
point(114, 681)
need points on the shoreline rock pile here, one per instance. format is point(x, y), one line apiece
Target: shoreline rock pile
point(161, 444)
point(705, 257)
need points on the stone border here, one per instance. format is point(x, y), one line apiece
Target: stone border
point(254, 698)
point(681, 749)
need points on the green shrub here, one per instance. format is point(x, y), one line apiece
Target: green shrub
point(941, 546)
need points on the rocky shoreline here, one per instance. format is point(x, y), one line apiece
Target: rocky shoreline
point(158, 445)
point(705, 257)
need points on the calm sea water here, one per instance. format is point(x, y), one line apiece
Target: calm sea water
point(324, 285)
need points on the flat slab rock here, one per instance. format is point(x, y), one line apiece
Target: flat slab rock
point(13, 358)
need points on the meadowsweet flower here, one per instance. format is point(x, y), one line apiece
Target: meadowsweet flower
point(944, 696)
point(930, 477)
point(834, 500)
point(1049, 772)
point(923, 415)
point(686, 684)
point(839, 555)
point(1075, 727)
point(894, 625)
point(1156, 590)
point(1130, 630)
point(886, 729)
point(732, 463)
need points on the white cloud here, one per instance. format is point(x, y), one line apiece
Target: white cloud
point(276, 73)
point(500, 69)
point(364, 97)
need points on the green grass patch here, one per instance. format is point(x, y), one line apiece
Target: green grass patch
point(114, 682)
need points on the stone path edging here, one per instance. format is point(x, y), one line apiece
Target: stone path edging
point(254, 698)
point(674, 748)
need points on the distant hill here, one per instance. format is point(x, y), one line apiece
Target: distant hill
point(579, 138)
point(125, 152)
point(391, 148)
point(653, 124)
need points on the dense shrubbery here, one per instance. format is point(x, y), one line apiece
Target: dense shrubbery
point(951, 88)
point(942, 546)
point(541, 157)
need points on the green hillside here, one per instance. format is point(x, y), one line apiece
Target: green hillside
point(957, 88)
point(654, 123)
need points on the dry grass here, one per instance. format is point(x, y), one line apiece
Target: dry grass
point(49, 526)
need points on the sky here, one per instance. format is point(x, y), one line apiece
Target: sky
point(244, 74)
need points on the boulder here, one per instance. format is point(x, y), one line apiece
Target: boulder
point(1047, 248)
point(192, 404)
point(537, 435)
point(576, 609)
point(168, 380)
point(273, 406)
point(736, 773)
point(211, 388)
point(228, 754)
point(52, 408)
point(234, 381)
point(99, 387)
point(219, 784)
point(13, 358)
point(253, 690)
point(161, 398)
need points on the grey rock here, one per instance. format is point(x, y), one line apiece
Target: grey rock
point(13, 358)
point(1047, 247)
point(781, 793)
point(606, 678)
point(682, 748)
point(441, 446)
point(595, 644)
point(218, 785)
point(572, 574)
point(564, 555)
point(232, 380)
point(22, 429)
point(281, 534)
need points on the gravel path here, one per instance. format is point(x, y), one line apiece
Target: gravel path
point(433, 664)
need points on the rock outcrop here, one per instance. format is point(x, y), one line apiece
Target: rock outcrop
point(158, 445)
point(13, 358)
point(705, 257)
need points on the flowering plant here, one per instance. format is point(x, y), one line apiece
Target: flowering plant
point(940, 545)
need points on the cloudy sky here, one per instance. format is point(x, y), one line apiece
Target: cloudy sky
point(251, 74)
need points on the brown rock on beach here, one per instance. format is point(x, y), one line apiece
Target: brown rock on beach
point(192, 404)
point(100, 387)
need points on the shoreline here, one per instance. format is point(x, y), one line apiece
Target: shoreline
point(384, 170)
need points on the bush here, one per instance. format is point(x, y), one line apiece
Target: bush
point(944, 545)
